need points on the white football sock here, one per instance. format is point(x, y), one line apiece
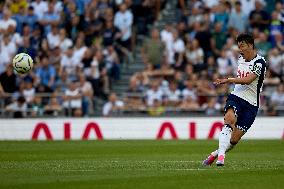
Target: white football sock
point(224, 139)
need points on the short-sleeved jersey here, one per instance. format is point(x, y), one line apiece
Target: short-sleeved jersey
point(250, 92)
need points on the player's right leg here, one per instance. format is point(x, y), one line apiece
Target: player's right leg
point(230, 120)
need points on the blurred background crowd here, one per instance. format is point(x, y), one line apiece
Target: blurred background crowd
point(134, 57)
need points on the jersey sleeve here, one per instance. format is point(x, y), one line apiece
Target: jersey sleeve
point(258, 67)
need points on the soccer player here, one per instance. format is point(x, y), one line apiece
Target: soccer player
point(243, 102)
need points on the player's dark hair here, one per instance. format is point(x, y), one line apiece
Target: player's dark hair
point(247, 38)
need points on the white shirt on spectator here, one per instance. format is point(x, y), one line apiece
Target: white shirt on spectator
point(4, 24)
point(94, 72)
point(65, 44)
point(58, 7)
point(70, 64)
point(17, 39)
point(74, 103)
point(124, 22)
point(223, 66)
point(167, 38)
point(152, 95)
point(210, 3)
point(173, 95)
point(176, 47)
point(86, 87)
point(15, 107)
point(53, 40)
point(108, 107)
point(6, 54)
point(29, 94)
point(194, 56)
point(275, 63)
point(40, 8)
point(189, 92)
point(277, 98)
point(248, 6)
point(79, 52)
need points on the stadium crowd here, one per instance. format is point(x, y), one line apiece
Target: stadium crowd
point(79, 47)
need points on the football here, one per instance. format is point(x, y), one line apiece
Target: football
point(22, 63)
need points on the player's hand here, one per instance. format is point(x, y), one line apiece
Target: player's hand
point(220, 81)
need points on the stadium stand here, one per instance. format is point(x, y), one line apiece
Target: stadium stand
point(134, 57)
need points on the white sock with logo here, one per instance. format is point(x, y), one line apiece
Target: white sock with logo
point(224, 139)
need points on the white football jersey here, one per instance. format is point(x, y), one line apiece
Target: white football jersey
point(250, 92)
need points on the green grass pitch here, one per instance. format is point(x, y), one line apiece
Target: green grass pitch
point(139, 164)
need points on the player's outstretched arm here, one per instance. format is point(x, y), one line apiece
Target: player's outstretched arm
point(245, 80)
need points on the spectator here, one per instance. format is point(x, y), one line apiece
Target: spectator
point(110, 34)
point(53, 37)
point(18, 109)
point(262, 45)
point(16, 6)
point(64, 41)
point(98, 76)
point(8, 80)
point(276, 62)
point(15, 37)
point(123, 20)
point(31, 18)
point(87, 95)
point(189, 90)
point(70, 64)
point(203, 36)
point(275, 26)
point(212, 107)
point(154, 93)
point(248, 6)
point(8, 50)
point(195, 55)
point(153, 49)
point(20, 19)
point(73, 27)
point(188, 104)
point(280, 11)
point(40, 8)
point(36, 106)
point(53, 107)
point(173, 95)
point(79, 49)
point(133, 87)
point(6, 21)
point(225, 67)
point(259, 18)
point(277, 97)
point(72, 100)
point(176, 53)
point(49, 18)
point(221, 16)
point(218, 39)
point(27, 48)
point(29, 92)
point(113, 105)
point(133, 97)
point(46, 75)
point(112, 62)
point(167, 35)
point(156, 109)
point(279, 42)
point(237, 18)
